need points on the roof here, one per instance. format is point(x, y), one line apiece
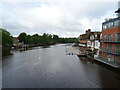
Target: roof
point(96, 32)
point(15, 38)
point(111, 20)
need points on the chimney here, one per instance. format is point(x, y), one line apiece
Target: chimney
point(89, 30)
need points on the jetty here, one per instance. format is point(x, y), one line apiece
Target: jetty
point(75, 51)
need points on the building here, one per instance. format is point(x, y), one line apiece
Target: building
point(110, 43)
point(90, 41)
point(84, 37)
point(94, 41)
point(15, 41)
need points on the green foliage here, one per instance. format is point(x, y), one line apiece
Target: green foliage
point(22, 37)
point(45, 39)
point(76, 42)
point(0, 36)
point(67, 40)
point(6, 37)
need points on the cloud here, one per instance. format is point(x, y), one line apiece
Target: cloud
point(67, 18)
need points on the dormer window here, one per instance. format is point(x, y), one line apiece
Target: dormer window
point(92, 37)
point(96, 35)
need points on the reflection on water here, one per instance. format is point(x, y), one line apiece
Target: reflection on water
point(50, 67)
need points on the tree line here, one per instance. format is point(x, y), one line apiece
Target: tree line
point(45, 39)
point(36, 39)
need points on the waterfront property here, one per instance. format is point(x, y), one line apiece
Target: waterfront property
point(110, 43)
point(94, 42)
point(91, 42)
point(16, 42)
point(84, 37)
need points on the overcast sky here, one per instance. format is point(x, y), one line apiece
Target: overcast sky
point(66, 18)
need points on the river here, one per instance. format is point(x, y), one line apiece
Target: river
point(50, 67)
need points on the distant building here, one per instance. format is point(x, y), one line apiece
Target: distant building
point(84, 37)
point(15, 40)
point(110, 43)
point(90, 42)
point(90, 39)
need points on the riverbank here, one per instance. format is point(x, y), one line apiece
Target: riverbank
point(6, 50)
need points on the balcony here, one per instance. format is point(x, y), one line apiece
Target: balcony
point(112, 63)
point(110, 41)
point(110, 51)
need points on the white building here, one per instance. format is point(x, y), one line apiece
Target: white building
point(94, 41)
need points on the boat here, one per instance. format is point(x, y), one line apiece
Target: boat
point(81, 55)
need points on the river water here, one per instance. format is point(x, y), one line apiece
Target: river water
point(50, 67)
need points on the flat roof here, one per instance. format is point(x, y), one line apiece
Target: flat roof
point(111, 20)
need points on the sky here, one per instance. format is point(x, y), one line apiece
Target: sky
point(66, 18)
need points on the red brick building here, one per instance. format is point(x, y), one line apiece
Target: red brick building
point(110, 43)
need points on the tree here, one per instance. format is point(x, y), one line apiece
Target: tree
point(22, 37)
point(45, 39)
point(6, 37)
point(0, 36)
point(56, 37)
point(29, 39)
point(36, 39)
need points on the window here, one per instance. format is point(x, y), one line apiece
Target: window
point(109, 48)
point(105, 55)
point(105, 47)
point(116, 58)
point(96, 44)
point(96, 35)
point(104, 26)
point(105, 37)
point(110, 37)
point(116, 23)
point(92, 37)
point(117, 37)
point(109, 57)
point(116, 48)
point(88, 43)
point(111, 24)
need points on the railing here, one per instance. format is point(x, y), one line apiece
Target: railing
point(110, 40)
point(111, 62)
point(111, 51)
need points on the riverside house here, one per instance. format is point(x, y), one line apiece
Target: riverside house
point(90, 42)
point(15, 41)
point(94, 42)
